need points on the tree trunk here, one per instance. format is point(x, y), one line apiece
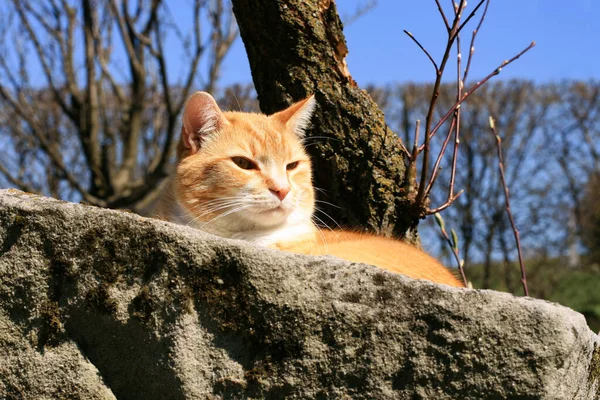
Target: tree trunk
point(297, 48)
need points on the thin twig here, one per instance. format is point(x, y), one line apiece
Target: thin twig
point(472, 45)
point(470, 16)
point(453, 243)
point(460, 85)
point(447, 204)
point(15, 181)
point(412, 164)
point(454, 126)
point(474, 88)
point(416, 142)
point(436, 167)
point(424, 186)
point(452, 34)
point(456, 119)
point(404, 150)
point(410, 35)
point(441, 10)
point(508, 210)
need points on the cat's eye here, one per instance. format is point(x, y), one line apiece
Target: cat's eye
point(291, 165)
point(244, 163)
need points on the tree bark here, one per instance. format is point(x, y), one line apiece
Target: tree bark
point(297, 48)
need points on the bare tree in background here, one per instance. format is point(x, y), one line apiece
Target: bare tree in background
point(88, 106)
point(239, 97)
point(574, 134)
point(590, 222)
point(521, 110)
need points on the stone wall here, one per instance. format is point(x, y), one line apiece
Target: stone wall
point(101, 304)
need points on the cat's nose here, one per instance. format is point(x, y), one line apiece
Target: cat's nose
point(280, 192)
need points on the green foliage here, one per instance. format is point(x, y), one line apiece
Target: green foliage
point(548, 279)
point(579, 290)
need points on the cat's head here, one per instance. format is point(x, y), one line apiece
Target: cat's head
point(244, 171)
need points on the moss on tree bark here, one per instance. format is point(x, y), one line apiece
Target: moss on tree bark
point(296, 48)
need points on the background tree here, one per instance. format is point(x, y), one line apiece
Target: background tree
point(520, 109)
point(573, 133)
point(97, 120)
point(590, 221)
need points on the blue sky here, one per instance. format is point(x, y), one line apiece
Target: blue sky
point(567, 36)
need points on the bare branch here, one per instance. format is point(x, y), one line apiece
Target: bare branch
point(50, 150)
point(15, 181)
point(411, 174)
point(108, 133)
point(475, 87)
point(470, 16)
point(441, 10)
point(221, 41)
point(158, 163)
point(90, 129)
point(19, 7)
point(508, 210)
point(410, 35)
point(196, 55)
point(472, 45)
point(134, 62)
point(453, 243)
point(436, 167)
point(452, 35)
point(447, 204)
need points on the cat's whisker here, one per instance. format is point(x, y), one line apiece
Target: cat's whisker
point(324, 240)
point(218, 203)
point(224, 215)
point(328, 216)
point(235, 199)
point(327, 226)
point(320, 190)
point(236, 209)
point(328, 203)
point(214, 210)
point(322, 222)
point(214, 206)
point(223, 199)
point(243, 216)
point(218, 208)
point(237, 101)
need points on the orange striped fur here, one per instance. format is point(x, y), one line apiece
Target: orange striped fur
point(247, 176)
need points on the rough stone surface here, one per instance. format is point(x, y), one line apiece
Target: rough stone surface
point(101, 304)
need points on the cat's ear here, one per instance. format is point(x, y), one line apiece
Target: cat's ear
point(297, 116)
point(201, 117)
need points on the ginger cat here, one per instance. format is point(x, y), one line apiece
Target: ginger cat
point(247, 176)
